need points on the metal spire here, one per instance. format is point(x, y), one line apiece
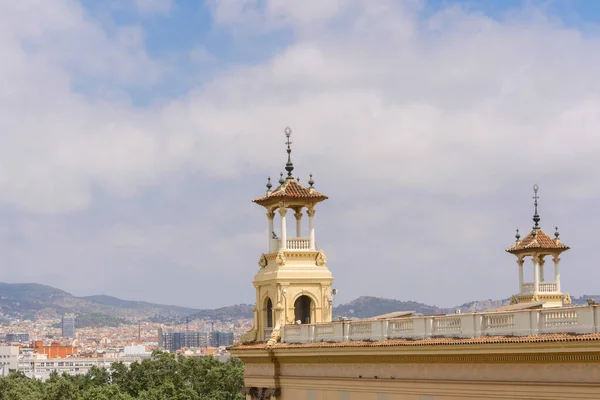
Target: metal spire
point(289, 167)
point(536, 216)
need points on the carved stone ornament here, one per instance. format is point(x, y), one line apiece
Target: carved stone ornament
point(271, 214)
point(310, 212)
point(567, 300)
point(513, 300)
point(275, 337)
point(535, 298)
point(262, 262)
point(321, 259)
point(282, 209)
point(248, 337)
point(280, 259)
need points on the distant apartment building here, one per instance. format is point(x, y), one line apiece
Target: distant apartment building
point(9, 359)
point(40, 366)
point(17, 337)
point(219, 339)
point(135, 351)
point(68, 326)
point(173, 341)
point(55, 350)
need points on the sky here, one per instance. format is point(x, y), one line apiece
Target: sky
point(135, 133)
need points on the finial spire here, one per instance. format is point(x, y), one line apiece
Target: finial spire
point(289, 167)
point(311, 182)
point(281, 180)
point(536, 217)
point(269, 185)
point(517, 236)
point(556, 234)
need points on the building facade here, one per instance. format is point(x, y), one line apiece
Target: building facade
point(68, 326)
point(17, 337)
point(9, 359)
point(221, 339)
point(538, 347)
point(176, 340)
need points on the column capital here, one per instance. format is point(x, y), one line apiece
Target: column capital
point(541, 260)
point(298, 215)
point(283, 211)
point(271, 214)
point(556, 259)
point(311, 212)
point(520, 261)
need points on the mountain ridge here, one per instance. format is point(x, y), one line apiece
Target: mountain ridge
point(33, 300)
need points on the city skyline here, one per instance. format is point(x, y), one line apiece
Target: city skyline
point(136, 133)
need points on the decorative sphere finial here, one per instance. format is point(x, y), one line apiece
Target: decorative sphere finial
point(311, 182)
point(556, 233)
point(517, 236)
point(289, 166)
point(536, 216)
point(281, 180)
point(269, 185)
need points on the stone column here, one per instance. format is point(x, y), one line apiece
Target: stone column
point(541, 263)
point(270, 216)
point(298, 216)
point(282, 213)
point(311, 227)
point(520, 262)
point(536, 274)
point(556, 260)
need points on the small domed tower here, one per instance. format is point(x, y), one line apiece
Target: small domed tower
point(293, 284)
point(537, 245)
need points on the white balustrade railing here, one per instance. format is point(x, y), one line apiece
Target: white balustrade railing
point(547, 287)
point(543, 287)
point(446, 325)
point(527, 288)
point(576, 320)
point(324, 333)
point(298, 244)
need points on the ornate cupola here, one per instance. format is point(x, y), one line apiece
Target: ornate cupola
point(537, 245)
point(293, 284)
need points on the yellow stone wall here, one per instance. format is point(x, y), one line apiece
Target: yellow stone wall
point(524, 371)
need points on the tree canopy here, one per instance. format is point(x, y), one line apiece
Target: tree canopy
point(163, 377)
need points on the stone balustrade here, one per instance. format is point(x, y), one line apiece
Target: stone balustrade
point(577, 320)
point(298, 243)
point(544, 287)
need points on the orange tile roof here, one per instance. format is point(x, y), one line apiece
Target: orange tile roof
point(445, 341)
point(290, 190)
point(540, 241)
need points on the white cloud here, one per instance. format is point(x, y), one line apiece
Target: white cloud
point(457, 107)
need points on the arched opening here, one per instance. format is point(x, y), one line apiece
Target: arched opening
point(269, 312)
point(302, 309)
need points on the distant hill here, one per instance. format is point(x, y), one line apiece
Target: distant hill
point(32, 300)
point(239, 311)
point(365, 307)
point(28, 301)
